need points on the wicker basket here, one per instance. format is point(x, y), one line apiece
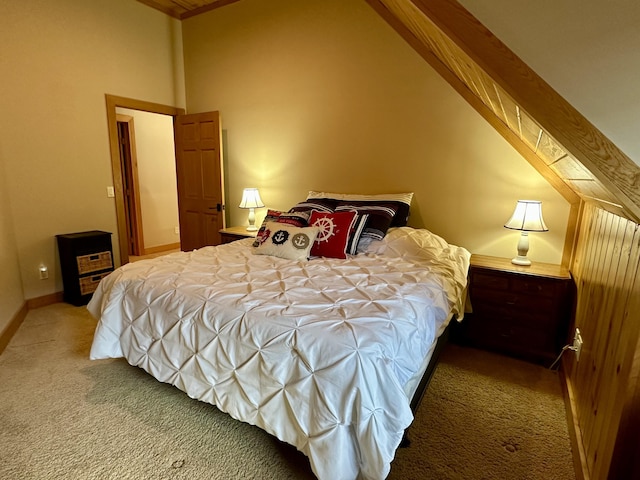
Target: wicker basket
point(94, 262)
point(90, 283)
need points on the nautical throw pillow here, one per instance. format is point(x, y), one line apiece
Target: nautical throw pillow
point(286, 241)
point(333, 235)
point(297, 219)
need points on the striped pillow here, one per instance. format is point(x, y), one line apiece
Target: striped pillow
point(379, 216)
point(325, 205)
point(402, 202)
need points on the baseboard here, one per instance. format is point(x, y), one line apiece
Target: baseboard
point(575, 434)
point(10, 330)
point(161, 248)
point(45, 300)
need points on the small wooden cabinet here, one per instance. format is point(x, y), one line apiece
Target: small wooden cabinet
point(232, 234)
point(519, 311)
point(85, 258)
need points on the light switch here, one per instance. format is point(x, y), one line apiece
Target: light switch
point(111, 192)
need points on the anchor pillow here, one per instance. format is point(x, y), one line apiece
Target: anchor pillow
point(286, 241)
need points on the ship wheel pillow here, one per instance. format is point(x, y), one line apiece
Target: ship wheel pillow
point(334, 231)
point(286, 241)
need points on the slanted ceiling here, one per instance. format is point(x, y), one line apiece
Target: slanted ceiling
point(570, 152)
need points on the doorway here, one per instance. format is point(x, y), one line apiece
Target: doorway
point(119, 173)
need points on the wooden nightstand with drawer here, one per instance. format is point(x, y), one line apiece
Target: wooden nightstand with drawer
point(520, 311)
point(231, 234)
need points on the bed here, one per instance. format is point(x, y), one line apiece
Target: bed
point(326, 354)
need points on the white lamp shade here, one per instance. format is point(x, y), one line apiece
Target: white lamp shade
point(527, 217)
point(251, 198)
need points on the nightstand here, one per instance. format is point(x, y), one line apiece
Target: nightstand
point(85, 259)
point(232, 234)
point(520, 311)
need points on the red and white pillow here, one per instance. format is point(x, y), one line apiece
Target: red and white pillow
point(334, 232)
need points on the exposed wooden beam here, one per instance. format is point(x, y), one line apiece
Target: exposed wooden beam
point(617, 172)
point(556, 182)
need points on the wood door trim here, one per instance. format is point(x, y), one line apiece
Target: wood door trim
point(112, 102)
point(138, 232)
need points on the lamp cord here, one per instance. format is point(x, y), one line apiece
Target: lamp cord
point(564, 349)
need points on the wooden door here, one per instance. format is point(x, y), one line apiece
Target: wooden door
point(199, 177)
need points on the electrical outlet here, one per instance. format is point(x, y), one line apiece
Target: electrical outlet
point(577, 343)
point(44, 272)
point(176, 230)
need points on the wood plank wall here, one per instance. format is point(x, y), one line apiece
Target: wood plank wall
point(604, 381)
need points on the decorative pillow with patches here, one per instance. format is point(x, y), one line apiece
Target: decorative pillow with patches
point(333, 238)
point(286, 241)
point(298, 219)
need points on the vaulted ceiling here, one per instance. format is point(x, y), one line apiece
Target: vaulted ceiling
point(569, 151)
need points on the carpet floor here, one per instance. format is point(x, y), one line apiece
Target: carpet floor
point(62, 416)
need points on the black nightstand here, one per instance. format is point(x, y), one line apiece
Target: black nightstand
point(232, 234)
point(523, 312)
point(85, 259)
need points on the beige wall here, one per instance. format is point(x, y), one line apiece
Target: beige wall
point(155, 151)
point(58, 60)
point(11, 295)
point(313, 95)
point(324, 95)
point(588, 50)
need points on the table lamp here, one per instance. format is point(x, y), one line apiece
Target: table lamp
point(527, 217)
point(251, 200)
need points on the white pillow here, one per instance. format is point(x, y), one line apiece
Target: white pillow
point(286, 241)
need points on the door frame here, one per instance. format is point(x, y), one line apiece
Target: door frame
point(129, 165)
point(113, 102)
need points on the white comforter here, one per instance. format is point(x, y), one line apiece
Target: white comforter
point(315, 353)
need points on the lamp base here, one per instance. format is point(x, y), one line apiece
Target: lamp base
point(252, 220)
point(523, 249)
point(524, 261)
